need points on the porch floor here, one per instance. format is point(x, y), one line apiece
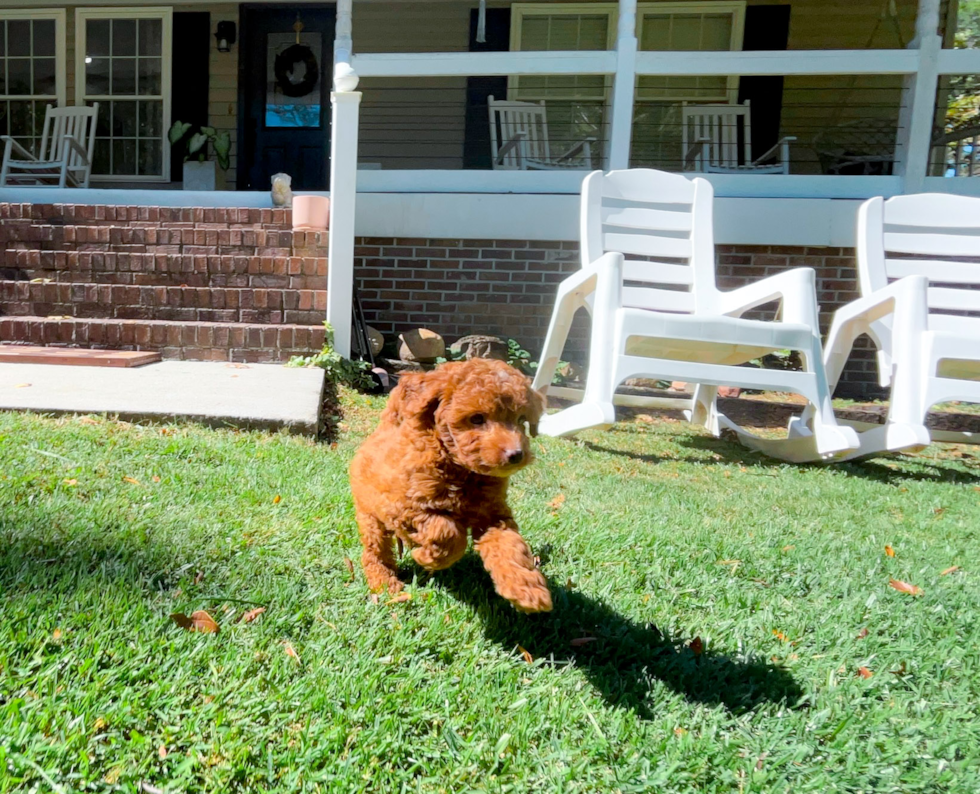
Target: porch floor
point(266, 396)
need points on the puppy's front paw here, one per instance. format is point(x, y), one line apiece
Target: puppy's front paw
point(527, 591)
point(378, 582)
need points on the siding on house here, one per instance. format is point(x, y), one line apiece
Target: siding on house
point(223, 88)
point(413, 122)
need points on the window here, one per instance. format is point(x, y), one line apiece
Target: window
point(698, 27)
point(576, 103)
point(32, 71)
point(676, 27)
point(123, 63)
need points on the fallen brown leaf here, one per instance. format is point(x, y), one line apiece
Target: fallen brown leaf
point(132, 481)
point(537, 562)
point(557, 502)
point(580, 641)
point(949, 570)
point(199, 577)
point(290, 651)
point(162, 752)
point(788, 548)
point(680, 731)
point(905, 587)
point(401, 597)
point(156, 478)
point(697, 645)
point(645, 418)
point(71, 483)
point(527, 656)
point(277, 500)
point(862, 633)
point(87, 420)
point(21, 385)
point(864, 672)
point(939, 511)
point(198, 621)
point(889, 551)
point(56, 635)
point(350, 565)
point(252, 614)
point(166, 431)
point(780, 636)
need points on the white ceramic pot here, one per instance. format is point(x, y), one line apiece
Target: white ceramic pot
point(198, 175)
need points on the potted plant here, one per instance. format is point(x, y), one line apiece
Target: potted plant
point(199, 173)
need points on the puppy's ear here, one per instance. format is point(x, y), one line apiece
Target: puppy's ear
point(536, 403)
point(417, 397)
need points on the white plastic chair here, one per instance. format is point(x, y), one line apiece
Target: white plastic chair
point(709, 140)
point(519, 140)
point(925, 354)
point(658, 314)
point(64, 156)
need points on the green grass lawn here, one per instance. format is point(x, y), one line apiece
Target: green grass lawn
point(722, 623)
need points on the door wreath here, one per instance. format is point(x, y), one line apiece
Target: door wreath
point(286, 64)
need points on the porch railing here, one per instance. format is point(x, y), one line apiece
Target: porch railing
point(920, 66)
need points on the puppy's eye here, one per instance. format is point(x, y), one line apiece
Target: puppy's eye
point(477, 419)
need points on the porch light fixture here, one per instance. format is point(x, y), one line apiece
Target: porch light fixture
point(225, 35)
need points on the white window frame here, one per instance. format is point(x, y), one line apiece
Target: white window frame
point(166, 54)
point(60, 50)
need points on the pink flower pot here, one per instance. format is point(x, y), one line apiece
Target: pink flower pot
point(311, 212)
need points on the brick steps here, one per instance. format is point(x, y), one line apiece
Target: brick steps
point(163, 269)
point(198, 341)
point(183, 303)
point(233, 284)
point(96, 215)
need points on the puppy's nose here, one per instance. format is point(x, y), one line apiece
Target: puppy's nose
point(515, 456)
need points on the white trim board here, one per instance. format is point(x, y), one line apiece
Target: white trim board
point(570, 182)
point(482, 216)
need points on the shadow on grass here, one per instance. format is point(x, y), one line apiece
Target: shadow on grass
point(626, 658)
point(729, 452)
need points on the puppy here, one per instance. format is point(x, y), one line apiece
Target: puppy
point(438, 465)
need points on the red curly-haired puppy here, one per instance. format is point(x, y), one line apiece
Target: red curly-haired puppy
point(437, 466)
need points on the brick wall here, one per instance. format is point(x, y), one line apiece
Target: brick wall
point(507, 288)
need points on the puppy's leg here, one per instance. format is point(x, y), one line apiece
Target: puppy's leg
point(441, 541)
point(378, 559)
point(509, 561)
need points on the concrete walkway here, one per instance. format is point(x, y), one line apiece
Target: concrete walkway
point(267, 396)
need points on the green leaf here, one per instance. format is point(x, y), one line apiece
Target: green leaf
point(197, 142)
point(177, 131)
point(209, 131)
point(222, 148)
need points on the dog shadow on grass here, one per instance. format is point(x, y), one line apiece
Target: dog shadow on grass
point(625, 659)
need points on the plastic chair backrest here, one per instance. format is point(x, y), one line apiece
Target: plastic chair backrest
point(662, 224)
point(936, 235)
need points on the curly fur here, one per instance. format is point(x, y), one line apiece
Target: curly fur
point(438, 465)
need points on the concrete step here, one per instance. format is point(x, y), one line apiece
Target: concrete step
point(166, 269)
point(196, 341)
point(184, 303)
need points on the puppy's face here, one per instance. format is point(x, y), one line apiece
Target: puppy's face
point(487, 430)
point(482, 412)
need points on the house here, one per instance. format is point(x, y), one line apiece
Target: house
point(431, 232)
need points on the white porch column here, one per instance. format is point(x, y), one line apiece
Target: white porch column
point(345, 102)
point(624, 83)
point(919, 101)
